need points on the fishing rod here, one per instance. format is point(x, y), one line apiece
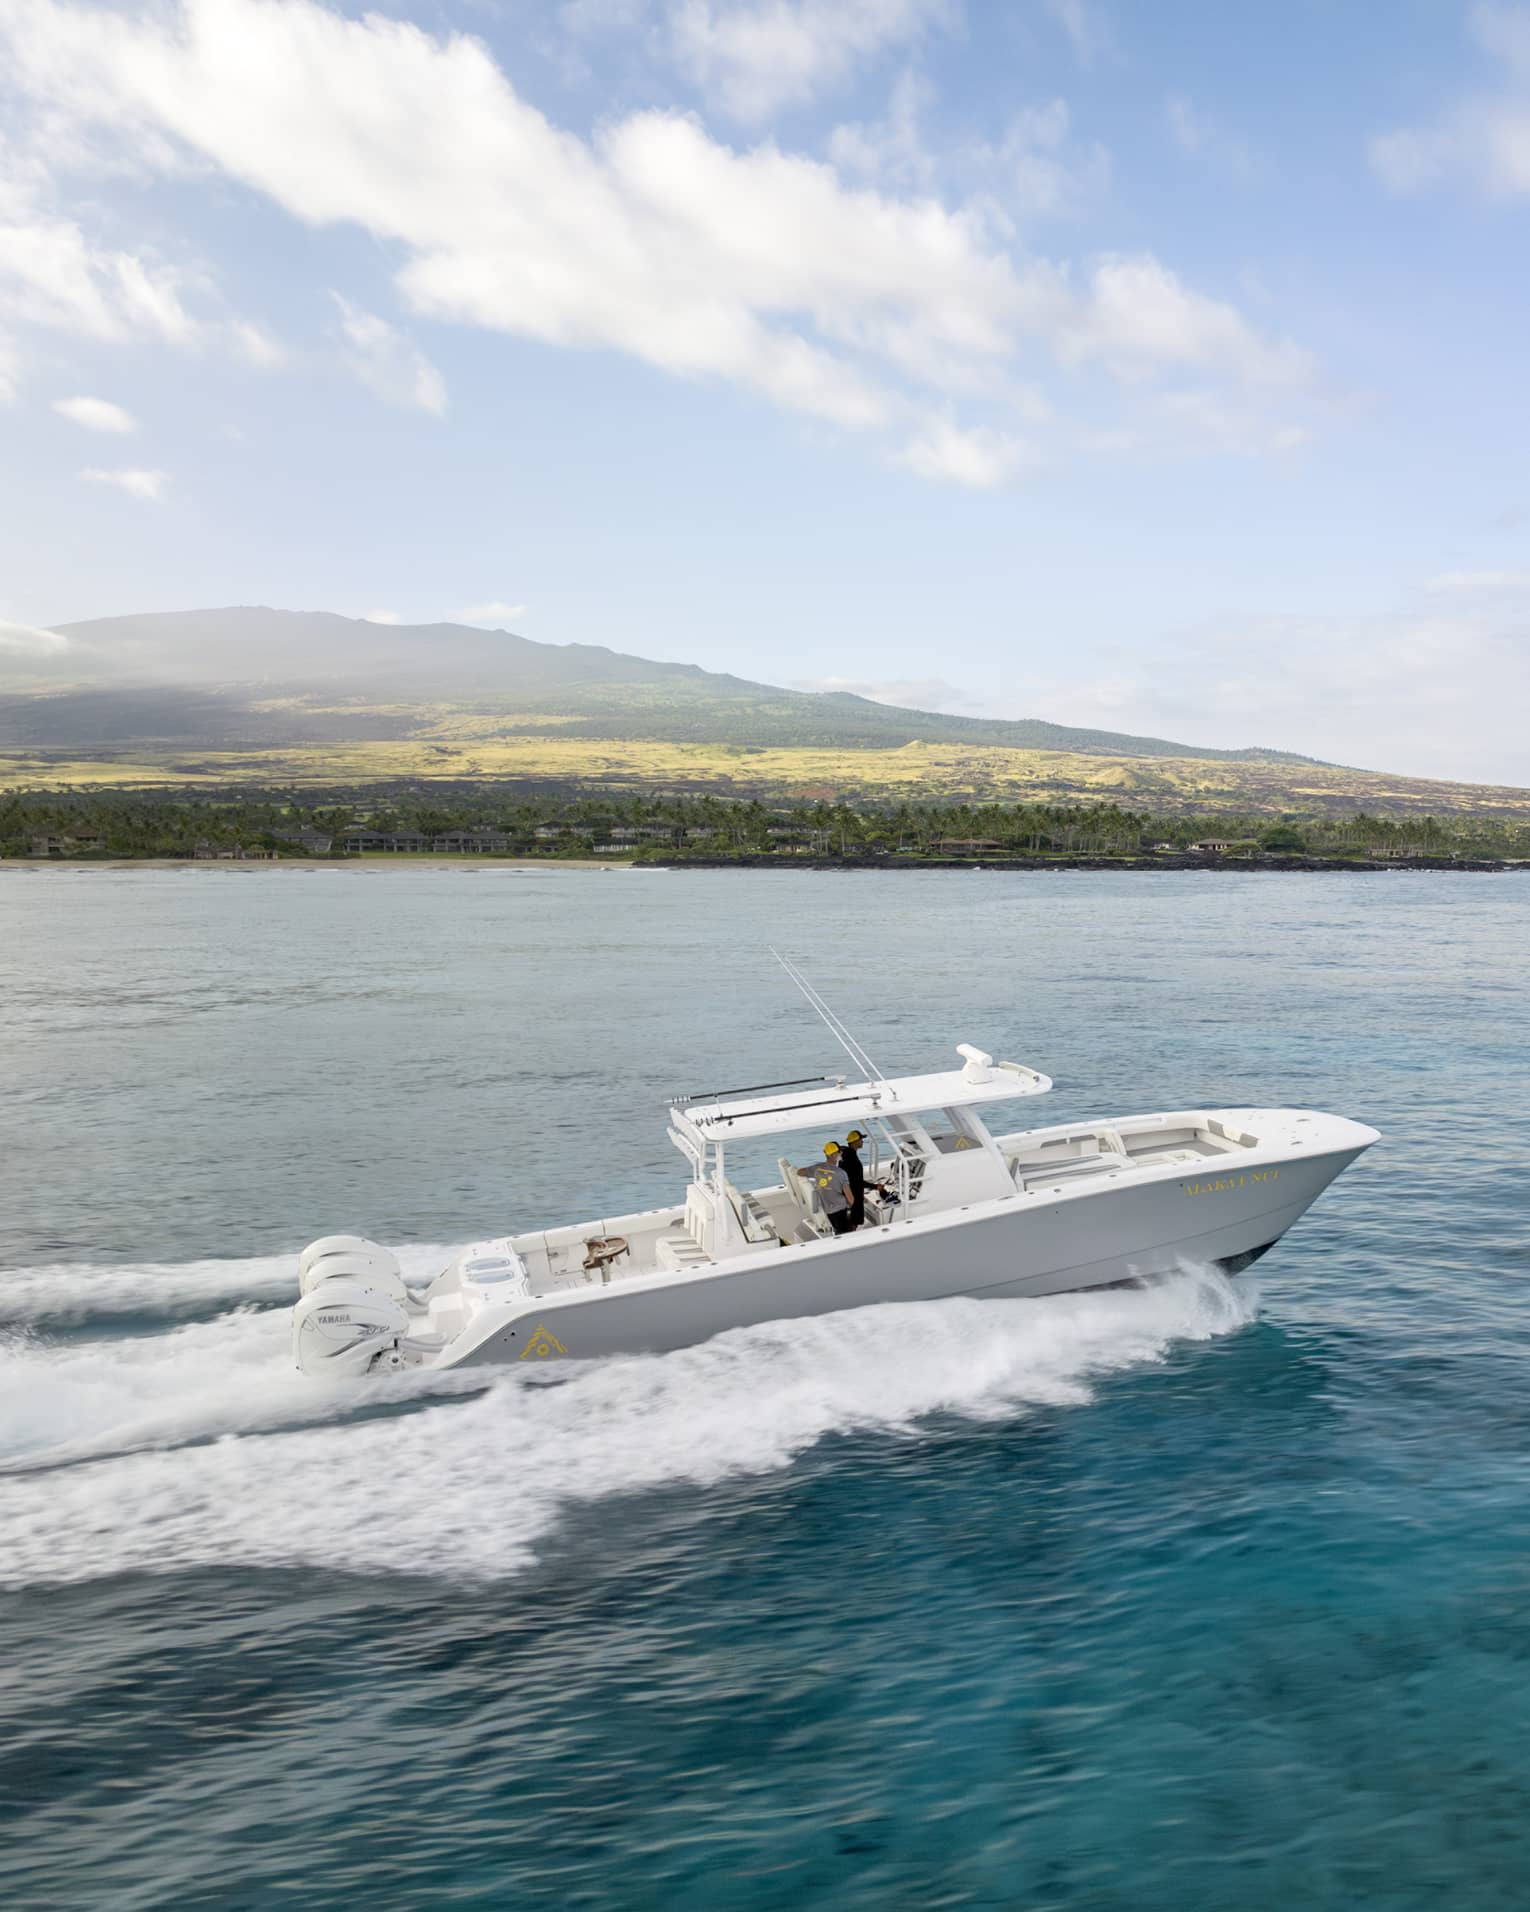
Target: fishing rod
point(832, 1022)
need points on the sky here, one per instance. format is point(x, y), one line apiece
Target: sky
point(1153, 366)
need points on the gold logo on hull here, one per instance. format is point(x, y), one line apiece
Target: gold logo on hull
point(542, 1344)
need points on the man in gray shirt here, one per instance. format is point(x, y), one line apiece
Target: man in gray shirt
point(834, 1193)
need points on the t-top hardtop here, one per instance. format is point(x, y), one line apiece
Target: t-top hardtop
point(782, 1107)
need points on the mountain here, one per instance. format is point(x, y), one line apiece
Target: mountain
point(254, 698)
point(259, 677)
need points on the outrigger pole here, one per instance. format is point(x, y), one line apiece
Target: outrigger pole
point(833, 1023)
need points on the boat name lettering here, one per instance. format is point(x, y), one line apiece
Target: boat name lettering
point(1224, 1182)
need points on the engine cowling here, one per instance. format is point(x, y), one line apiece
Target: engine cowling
point(350, 1255)
point(346, 1324)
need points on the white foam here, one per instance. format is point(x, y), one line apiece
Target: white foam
point(202, 1381)
point(468, 1488)
point(65, 1293)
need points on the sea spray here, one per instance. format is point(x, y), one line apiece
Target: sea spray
point(61, 1404)
point(467, 1487)
point(78, 1294)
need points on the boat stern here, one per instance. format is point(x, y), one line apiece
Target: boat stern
point(355, 1316)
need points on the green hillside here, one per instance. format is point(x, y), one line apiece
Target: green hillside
point(250, 676)
point(256, 698)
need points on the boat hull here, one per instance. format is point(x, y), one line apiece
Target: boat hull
point(1015, 1246)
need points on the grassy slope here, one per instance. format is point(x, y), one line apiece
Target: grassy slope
point(729, 710)
point(697, 709)
point(249, 696)
point(921, 771)
point(253, 676)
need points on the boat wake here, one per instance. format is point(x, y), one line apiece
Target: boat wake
point(197, 1445)
point(74, 1295)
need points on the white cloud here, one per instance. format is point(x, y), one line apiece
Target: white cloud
point(52, 275)
point(1184, 125)
point(491, 615)
point(1503, 31)
point(254, 345)
point(96, 414)
point(596, 18)
point(1180, 423)
point(1478, 583)
point(388, 362)
point(57, 274)
point(148, 485)
point(10, 369)
point(892, 150)
point(1033, 170)
point(760, 268)
point(757, 56)
point(1087, 29)
point(1036, 168)
point(1432, 692)
point(1483, 140)
point(907, 693)
point(1206, 139)
point(1407, 161)
point(26, 640)
point(494, 614)
point(977, 456)
point(1140, 316)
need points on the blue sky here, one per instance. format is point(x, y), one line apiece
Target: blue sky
point(1159, 367)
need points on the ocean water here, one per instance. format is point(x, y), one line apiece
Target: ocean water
point(1210, 1593)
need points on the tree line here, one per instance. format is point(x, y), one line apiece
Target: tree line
point(661, 827)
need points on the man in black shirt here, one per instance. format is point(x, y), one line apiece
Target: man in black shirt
point(850, 1162)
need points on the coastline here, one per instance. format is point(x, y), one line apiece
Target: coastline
point(238, 866)
point(368, 864)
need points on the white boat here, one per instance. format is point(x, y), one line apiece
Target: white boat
point(956, 1210)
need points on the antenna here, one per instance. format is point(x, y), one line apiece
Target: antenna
point(831, 1021)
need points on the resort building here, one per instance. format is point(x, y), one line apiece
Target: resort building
point(473, 843)
point(86, 845)
point(357, 842)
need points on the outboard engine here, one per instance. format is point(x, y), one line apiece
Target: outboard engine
point(349, 1255)
point(346, 1326)
point(353, 1310)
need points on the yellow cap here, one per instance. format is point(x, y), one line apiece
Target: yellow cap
point(831, 1148)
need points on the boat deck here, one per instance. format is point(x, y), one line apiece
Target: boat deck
point(1041, 1162)
point(1044, 1162)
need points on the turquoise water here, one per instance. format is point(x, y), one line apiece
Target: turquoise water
point(1208, 1594)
